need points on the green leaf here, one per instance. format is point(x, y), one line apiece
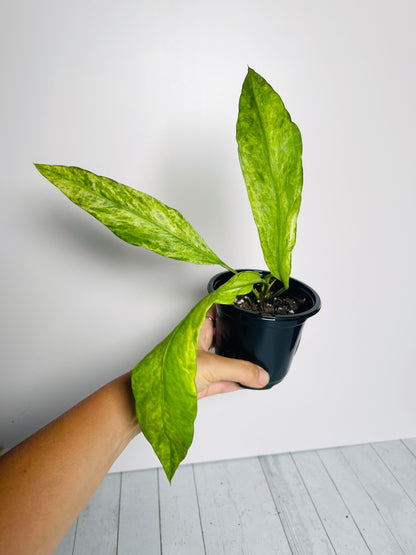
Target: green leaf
point(135, 217)
point(270, 152)
point(163, 383)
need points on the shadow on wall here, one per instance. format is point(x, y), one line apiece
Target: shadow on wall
point(62, 225)
point(191, 177)
point(69, 229)
point(197, 175)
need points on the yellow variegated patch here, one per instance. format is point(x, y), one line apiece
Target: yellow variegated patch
point(163, 382)
point(270, 152)
point(135, 217)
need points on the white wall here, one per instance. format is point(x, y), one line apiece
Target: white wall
point(146, 92)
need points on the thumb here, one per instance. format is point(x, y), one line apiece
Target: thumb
point(241, 371)
point(252, 375)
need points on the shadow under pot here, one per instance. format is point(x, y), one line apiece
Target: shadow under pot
point(270, 341)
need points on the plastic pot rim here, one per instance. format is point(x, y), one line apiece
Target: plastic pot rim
point(296, 318)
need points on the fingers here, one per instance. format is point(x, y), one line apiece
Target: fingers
point(218, 374)
point(241, 371)
point(215, 368)
point(206, 334)
point(211, 312)
point(218, 387)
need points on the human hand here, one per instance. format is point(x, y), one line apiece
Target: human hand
point(218, 374)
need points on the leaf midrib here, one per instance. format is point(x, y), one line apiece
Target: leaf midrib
point(266, 142)
point(163, 403)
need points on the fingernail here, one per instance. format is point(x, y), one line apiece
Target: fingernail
point(264, 377)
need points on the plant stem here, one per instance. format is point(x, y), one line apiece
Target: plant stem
point(282, 290)
point(224, 265)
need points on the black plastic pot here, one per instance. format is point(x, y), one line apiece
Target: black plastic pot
point(269, 341)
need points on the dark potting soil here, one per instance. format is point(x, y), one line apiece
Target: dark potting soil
point(282, 305)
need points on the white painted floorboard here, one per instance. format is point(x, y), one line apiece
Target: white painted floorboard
point(348, 500)
point(97, 528)
point(337, 520)
point(300, 519)
point(238, 514)
point(361, 507)
point(393, 502)
point(181, 530)
point(139, 524)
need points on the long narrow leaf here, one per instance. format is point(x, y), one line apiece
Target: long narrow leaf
point(270, 151)
point(135, 217)
point(163, 382)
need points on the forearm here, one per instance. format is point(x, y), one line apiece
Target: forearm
point(46, 481)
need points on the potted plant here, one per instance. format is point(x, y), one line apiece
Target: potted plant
point(265, 330)
point(163, 383)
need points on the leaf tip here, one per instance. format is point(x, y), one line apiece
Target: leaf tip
point(42, 168)
point(170, 472)
point(250, 72)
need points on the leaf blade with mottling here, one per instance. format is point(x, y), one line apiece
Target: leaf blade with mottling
point(270, 152)
point(163, 383)
point(134, 216)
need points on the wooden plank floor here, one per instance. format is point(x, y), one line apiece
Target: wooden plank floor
point(348, 500)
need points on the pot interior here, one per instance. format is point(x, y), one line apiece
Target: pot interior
point(297, 290)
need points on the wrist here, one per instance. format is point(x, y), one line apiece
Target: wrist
point(122, 395)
